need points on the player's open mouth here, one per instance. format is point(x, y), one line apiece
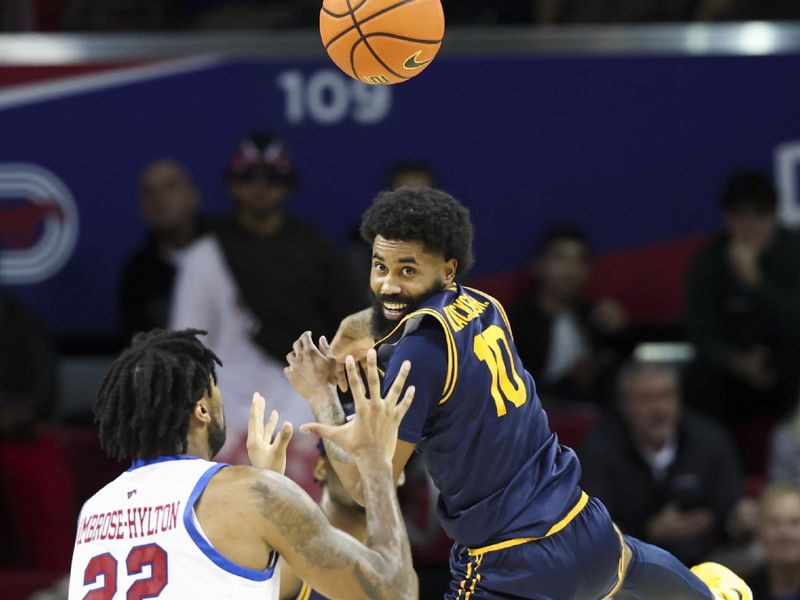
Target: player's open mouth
point(394, 311)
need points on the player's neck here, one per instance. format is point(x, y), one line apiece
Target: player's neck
point(347, 518)
point(198, 448)
point(784, 579)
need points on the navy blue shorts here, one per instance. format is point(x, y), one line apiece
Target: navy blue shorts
point(582, 561)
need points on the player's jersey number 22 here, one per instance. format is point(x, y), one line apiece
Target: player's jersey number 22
point(139, 557)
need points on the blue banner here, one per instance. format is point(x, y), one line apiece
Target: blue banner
point(633, 148)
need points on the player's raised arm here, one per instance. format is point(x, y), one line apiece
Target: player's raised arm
point(312, 372)
point(329, 560)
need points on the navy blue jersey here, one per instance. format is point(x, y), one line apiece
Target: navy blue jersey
point(478, 423)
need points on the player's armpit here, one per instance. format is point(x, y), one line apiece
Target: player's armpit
point(329, 560)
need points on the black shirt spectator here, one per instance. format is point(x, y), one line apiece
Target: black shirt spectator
point(667, 475)
point(568, 343)
point(743, 309)
point(27, 370)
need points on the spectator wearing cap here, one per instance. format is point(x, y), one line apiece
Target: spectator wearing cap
point(743, 309)
point(258, 281)
point(169, 203)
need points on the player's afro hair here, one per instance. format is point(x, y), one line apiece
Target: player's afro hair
point(425, 215)
point(146, 399)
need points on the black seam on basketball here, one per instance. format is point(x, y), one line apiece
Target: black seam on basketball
point(353, 57)
point(366, 20)
point(345, 14)
point(402, 37)
point(366, 43)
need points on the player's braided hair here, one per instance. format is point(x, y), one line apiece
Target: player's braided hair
point(145, 401)
point(425, 215)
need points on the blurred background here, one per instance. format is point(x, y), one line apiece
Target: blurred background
point(633, 173)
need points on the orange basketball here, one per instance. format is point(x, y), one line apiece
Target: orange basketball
point(382, 41)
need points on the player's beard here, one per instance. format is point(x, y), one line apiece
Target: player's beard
point(380, 325)
point(216, 436)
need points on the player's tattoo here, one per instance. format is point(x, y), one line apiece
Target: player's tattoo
point(383, 569)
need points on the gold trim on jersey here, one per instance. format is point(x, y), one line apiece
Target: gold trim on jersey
point(620, 566)
point(584, 499)
point(497, 305)
point(476, 577)
point(305, 592)
point(452, 353)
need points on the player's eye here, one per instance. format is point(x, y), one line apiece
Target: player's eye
point(379, 267)
point(408, 271)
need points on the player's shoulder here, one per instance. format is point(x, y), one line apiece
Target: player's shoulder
point(259, 487)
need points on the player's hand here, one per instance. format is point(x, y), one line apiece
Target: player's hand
point(353, 338)
point(264, 451)
point(374, 427)
point(310, 369)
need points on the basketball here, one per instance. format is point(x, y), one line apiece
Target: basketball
point(382, 41)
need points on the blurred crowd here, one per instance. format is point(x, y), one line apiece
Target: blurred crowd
point(138, 15)
point(699, 455)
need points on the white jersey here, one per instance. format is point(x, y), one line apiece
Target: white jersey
point(138, 537)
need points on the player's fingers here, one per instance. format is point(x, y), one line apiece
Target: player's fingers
point(253, 432)
point(326, 432)
point(402, 408)
point(291, 358)
point(306, 341)
point(297, 347)
point(399, 383)
point(269, 428)
point(373, 378)
point(284, 436)
point(356, 385)
point(325, 347)
point(341, 375)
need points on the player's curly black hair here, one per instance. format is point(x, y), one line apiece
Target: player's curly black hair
point(145, 401)
point(425, 215)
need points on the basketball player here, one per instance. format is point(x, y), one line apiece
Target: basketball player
point(509, 493)
point(342, 512)
point(176, 525)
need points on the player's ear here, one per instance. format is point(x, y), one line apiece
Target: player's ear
point(450, 269)
point(202, 410)
point(321, 470)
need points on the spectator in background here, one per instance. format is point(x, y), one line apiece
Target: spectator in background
point(27, 371)
point(259, 280)
point(778, 531)
point(743, 309)
point(410, 173)
point(667, 475)
point(36, 518)
point(169, 204)
point(784, 455)
point(564, 340)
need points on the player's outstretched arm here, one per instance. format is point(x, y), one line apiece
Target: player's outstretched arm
point(311, 371)
point(327, 559)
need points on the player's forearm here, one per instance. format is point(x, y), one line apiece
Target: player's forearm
point(328, 410)
point(386, 532)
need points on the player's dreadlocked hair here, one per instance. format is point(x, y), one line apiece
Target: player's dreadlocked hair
point(145, 401)
point(425, 215)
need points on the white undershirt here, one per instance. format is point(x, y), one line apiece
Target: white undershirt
point(567, 347)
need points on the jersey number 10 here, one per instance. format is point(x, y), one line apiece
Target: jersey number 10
point(492, 348)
